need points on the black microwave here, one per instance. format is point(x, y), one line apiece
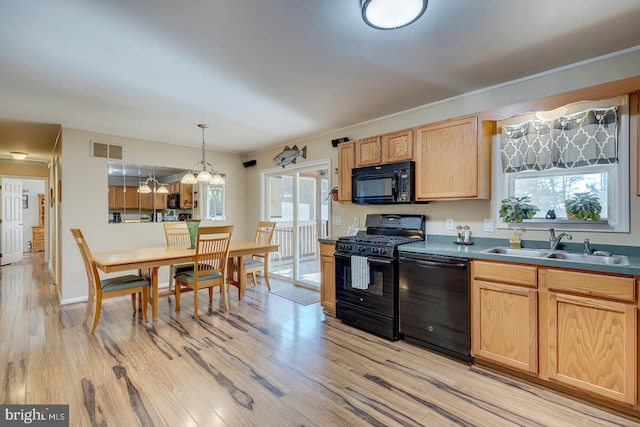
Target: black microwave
point(383, 184)
point(173, 201)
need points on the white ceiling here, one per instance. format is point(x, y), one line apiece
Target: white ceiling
point(270, 72)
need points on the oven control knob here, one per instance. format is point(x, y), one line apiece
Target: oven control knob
point(375, 250)
point(383, 251)
point(361, 248)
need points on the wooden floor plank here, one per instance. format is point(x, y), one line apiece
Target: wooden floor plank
point(267, 361)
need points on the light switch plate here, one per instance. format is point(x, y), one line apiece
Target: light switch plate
point(336, 220)
point(449, 225)
point(488, 225)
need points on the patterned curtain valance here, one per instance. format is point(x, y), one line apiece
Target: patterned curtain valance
point(588, 137)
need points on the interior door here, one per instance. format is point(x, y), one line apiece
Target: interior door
point(11, 222)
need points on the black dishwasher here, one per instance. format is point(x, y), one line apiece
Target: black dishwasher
point(434, 303)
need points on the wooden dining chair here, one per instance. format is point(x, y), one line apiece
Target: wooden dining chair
point(260, 262)
point(100, 289)
point(176, 234)
point(210, 261)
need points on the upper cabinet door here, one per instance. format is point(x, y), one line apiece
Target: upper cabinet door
point(397, 146)
point(368, 152)
point(346, 153)
point(447, 160)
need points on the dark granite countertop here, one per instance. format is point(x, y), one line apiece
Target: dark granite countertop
point(443, 245)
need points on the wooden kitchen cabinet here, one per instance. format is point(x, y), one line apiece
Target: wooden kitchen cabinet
point(368, 151)
point(397, 146)
point(327, 278)
point(186, 196)
point(346, 162)
point(452, 160)
point(504, 311)
point(121, 197)
point(590, 332)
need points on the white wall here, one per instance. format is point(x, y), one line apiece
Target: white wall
point(30, 215)
point(85, 200)
point(472, 212)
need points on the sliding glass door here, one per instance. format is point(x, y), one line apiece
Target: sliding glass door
point(297, 200)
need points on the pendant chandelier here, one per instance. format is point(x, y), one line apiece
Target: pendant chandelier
point(159, 188)
point(202, 171)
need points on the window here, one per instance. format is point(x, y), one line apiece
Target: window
point(584, 149)
point(215, 206)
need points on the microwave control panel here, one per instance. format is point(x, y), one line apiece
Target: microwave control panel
point(404, 189)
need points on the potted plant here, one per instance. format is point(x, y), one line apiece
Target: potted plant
point(583, 206)
point(515, 209)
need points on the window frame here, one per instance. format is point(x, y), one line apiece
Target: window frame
point(618, 190)
point(223, 188)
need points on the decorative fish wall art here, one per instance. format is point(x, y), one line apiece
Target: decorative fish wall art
point(289, 155)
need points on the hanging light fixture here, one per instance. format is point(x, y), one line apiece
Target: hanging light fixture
point(203, 171)
point(157, 187)
point(392, 14)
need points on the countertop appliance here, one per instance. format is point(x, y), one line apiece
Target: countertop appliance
point(383, 184)
point(434, 303)
point(367, 272)
point(173, 201)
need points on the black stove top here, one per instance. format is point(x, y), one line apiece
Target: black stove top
point(384, 234)
point(379, 239)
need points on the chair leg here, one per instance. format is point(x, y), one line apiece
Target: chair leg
point(265, 273)
point(210, 294)
point(253, 277)
point(177, 294)
point(224, 297)
point(195, 302)
point(89, 306)
point(145, 299)
point(133, 301)
point(96, 314)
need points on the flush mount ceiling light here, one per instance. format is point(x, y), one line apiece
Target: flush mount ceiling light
point(392, 14)
point(203, 171)
point(18, 155)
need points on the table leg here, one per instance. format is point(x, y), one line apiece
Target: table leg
point(154, 293)
point(242, 279)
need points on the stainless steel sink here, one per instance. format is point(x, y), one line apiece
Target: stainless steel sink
point(560, 255)
point(535, 253)
point(590, 259)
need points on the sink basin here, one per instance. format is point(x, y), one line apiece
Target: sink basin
point(591, 259)
point(560, 255)
point(536, 253)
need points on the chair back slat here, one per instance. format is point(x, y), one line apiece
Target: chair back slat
point(212, 249)
point(93, 276)
point(177, 234)
point(264, 232)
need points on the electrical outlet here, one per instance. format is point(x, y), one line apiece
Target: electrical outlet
point(336, 220)
point(449, 225)
point(356, 221)
point(488, 225)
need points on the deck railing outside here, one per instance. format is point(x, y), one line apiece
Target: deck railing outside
point(307, 238)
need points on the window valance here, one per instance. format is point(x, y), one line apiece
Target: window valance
point(588, 137)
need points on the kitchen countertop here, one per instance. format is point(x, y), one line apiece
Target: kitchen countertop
point(443, 245)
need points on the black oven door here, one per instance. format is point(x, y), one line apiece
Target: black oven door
point(380, 295)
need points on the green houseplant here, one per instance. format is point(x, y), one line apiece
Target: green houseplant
point(515, 209)
point(583, 206)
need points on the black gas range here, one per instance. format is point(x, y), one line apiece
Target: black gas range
point(367, 272)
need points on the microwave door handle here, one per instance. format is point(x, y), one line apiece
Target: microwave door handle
point(394, 186)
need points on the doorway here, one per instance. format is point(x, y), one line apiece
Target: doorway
point(297, 200)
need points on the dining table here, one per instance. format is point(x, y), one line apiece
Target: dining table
point(149, 260)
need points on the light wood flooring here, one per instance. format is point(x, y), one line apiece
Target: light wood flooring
point(266, 362)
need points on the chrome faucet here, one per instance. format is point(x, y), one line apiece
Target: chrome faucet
point(587, 247)
point(554, 241)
